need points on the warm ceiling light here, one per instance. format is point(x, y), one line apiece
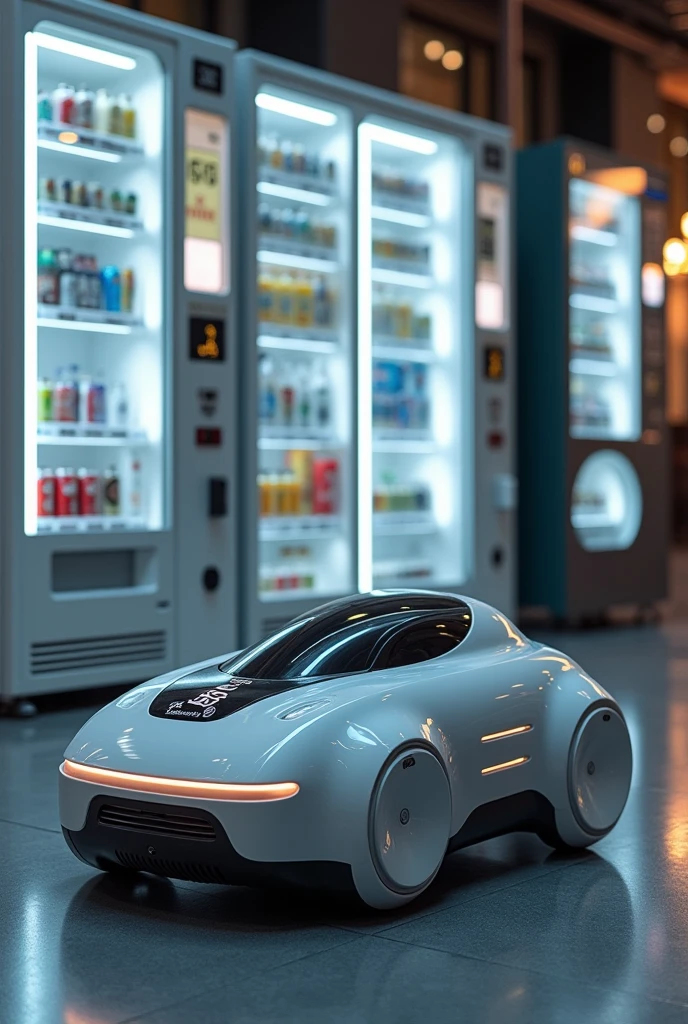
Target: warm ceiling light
point(452, 60)
point(678, 146)
point(674, 252)
point(576, 164)
point(655, 124)
point(433, 49)
point(684, 225)
point(179, 787)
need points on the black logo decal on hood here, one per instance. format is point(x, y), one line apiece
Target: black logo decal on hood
point(209, 694)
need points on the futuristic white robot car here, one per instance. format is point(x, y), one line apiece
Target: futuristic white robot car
point(356, 747)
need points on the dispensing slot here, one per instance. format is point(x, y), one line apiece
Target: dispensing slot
point(75, 573)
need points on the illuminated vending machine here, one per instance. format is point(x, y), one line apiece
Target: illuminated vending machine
point(378, 364)
point(593, 443)
point(117, 360)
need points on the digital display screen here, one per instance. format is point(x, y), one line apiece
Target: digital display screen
point(207, 339)
point(207, 76)
point(487, 239)
point(206, 190)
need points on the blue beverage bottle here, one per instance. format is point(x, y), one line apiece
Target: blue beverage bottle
point(112, 289)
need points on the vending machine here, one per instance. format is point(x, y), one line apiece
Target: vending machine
point(378, 364)
point(593, 444)
point(117, 348)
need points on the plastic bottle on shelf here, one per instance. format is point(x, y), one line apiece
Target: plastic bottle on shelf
point(135, 488)
point(118, 406)
point(267, 392)
point(287, 397)
point(323, 311)
point(45, 400)
point(45, 106)
point(111, 492)
point(84, 102)
point(322, 396)
point(101, 111)
point(114, 116)
point(284, 299)
point(128, 116)
point(304, 399)
point(63, 104)
point(304, 301)
point(266, 298)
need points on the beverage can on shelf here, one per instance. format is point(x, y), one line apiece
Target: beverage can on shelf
point(135, 488)
point(47, 190)
point(89, 492)
point(45, 106)
point(128, 117)
point(45, 400)
point(114, 116)
point(68, 288)
point(127, 290)
point(96, 195)
point(66, 492)
point(117, 406)
point(111, 497)
point(130, 204)
point(84, 104)
point(111, 288)
point(100, 111)
point(65, 399)
point(325, 485)
point(92, 400)
point(64, 190)
point(46, 492)
point(116, 201)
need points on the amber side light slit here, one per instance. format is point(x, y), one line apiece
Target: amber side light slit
point(180, 787)
point(516, 731)
point(504, 765)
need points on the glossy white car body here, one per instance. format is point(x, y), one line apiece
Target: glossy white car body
point(390, 769)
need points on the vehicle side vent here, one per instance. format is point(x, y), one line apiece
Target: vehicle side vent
point(187, 871)
point(173, 825)
point(97, 652)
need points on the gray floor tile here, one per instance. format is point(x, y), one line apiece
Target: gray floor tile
point(372, 981)
point(91, 947)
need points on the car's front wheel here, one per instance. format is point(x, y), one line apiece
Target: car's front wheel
point(409, 822)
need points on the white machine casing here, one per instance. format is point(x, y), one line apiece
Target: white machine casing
point(395, 768)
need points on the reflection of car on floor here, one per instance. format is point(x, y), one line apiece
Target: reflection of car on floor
point(354, 748)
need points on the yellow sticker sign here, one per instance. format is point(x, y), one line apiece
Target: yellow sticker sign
point(202, 194)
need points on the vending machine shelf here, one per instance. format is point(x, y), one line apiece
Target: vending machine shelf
point(273, 247)
point(306, 527)
point(84, 142)
point(97, 320)
point(597, 236)
point(89, 219)
point(90, 524)
point(289, 437)
point(88, 434)
point(401, 276)
point(300, 339)
point(402, 348)
point(303, 188)
point(399, 524)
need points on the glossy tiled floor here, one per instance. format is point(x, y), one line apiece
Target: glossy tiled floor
point(509, 932)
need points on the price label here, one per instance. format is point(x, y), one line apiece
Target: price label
point(203, 200)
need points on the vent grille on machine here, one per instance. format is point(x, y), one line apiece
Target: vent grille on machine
point(171, 824)
point(97, 652)
point(185, 870)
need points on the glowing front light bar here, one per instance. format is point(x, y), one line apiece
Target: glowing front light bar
point(516, 731)
point(179, 787)
point(288, 259)
point(68, 147)
point(394, 216)
point(94, 53)
point(503, 766)
point(93, 326)
point(278, 105)
point(402, 140)
point(85, 225)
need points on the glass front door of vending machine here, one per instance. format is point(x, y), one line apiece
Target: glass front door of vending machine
point(604, 359)
point(415, 434)
point(94, 358)
point(304, 348)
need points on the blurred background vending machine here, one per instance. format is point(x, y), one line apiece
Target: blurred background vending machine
point(116, 348)
point(378, 371)
point(593, 446)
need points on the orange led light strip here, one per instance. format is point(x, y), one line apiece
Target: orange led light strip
point(504, 733)
point(503, 766)
point(180, 787)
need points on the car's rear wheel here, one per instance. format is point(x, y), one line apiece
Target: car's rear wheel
point(410, 820)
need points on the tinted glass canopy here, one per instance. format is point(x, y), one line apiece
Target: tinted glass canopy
point(368, 632)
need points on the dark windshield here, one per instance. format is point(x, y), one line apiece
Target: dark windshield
point(338, 639)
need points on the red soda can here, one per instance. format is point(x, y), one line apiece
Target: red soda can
point(66, 492)
point(66, 401)
point(89, 492)
point(46, 492)
point(325, 486)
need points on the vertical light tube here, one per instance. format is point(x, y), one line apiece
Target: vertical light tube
point(30, 283)
point(365, 352)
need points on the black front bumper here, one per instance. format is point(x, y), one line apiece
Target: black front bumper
point(121, 834)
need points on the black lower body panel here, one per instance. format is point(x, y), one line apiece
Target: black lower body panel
point(528, 811)
point(122, 834)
